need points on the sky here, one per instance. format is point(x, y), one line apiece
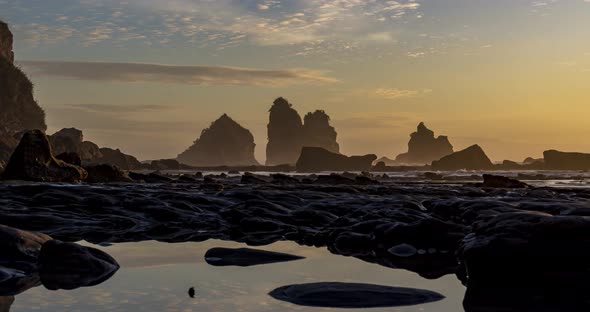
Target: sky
point(146, 76)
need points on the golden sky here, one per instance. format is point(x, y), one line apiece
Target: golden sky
point(510, 75)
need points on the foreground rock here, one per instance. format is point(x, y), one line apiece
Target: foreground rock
point(349, 295)
point(555, 160)
point(224, 143)
point(106, 174)
point(315, 159)
point(5, 303)
point(33, 161)
point(495, 181)
point(245, 257)
point(424, 148)
point(29, 259)
point(471, 158)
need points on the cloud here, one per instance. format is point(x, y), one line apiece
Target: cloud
point(193, 75)
point(395, 93)
point(110, 108)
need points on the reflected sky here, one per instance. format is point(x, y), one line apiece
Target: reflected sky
point(156, 277)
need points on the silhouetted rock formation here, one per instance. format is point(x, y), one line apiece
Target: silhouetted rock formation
point(531, 161)
point(386, 161)
point(106, 174)
point(224, 143)
point(315, 159)
point(70, 158)
point(556, 160)
point(495, 181)
point(471, 158)
point(287, 135)
point(71, 140)
point(116, 157)
point(424, 148)
point(18, 109)
point(6, 43)
point(166, 164)
point(245, 257)
point(317, 132)
point(33, 160)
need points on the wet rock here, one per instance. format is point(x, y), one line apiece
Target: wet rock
point(284, 179)
point(556, 160)
point(17, 245)
point(424, 148)
point(33, 161)
point(285, 134)
point(71, 140)
point(363, 180)
point(70, 158)
point(69, 266)
point(495, 181)
point(245, 257)
point(116, 157)
point(317, 132)
point(249, 178)
point(350, 295)
point(106, 174)
point(315, 159)
point(471, 158)
point(5, 303)
point(224, 143)
point(433, 176)
point(403, 250)
point(334, 179)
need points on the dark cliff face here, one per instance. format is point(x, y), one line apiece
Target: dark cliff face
point(224, 143)
point(319, 133)
point(287, 135)
point(18, 109)
point(424, 148)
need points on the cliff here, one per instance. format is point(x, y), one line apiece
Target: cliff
point(424, 147)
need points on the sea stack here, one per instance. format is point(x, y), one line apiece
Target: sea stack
point(424, 148)
point(287, 134)
point(471, 158)
point(18, 109)
point(224, 143)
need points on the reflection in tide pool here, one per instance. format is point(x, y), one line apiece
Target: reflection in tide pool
point(157, 276)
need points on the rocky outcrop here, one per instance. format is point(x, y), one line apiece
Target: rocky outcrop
point(106, 173)
point(245, 257)
point(556, 160)
point(471, 158)
point(317, 132)
point(116, 157)
point(6, 43)
point(316, 159)
point(33, 160)
point(424, 148)
point(495, 181)
point(224, 143)
point(71, 140)
point(18, 109)
point(287, 134)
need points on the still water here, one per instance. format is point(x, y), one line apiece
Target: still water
point(157, 276)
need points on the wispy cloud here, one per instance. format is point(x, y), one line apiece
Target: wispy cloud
point(195, 75)
point(395, 93)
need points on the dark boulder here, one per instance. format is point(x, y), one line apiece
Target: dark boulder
point(71, 140)
point(116, 157)
point(69, 266)
point(280, 178)
point(70, 158)
point(17, 245)
point(33, 161)
point(351, 295)
point(495, 181)
point(5, 303)
point(245, 257)
point(249, 178)
point(224, 143)
point(424, 148)
point(471, 158)
point(106, 174)
point(315, 159)
point(165, 164)
point(556, 160)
